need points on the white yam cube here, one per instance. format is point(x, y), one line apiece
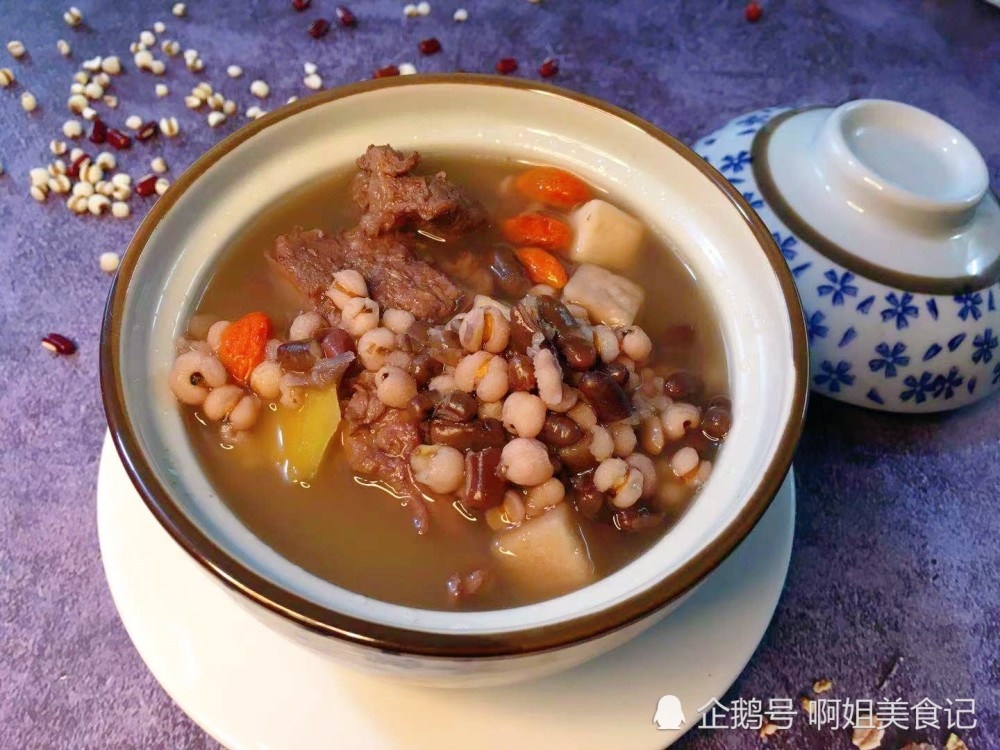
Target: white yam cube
point(605, 235)
point(607, 297)
point(545, 556)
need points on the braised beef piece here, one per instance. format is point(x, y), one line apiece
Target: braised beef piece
point(391, 198)
point(395, 276)
point(381, 449)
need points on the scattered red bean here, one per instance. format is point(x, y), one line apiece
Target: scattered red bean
point(99, 131)
point(318, 28)
point(387, 72)
point(345, 16)
point(301, 5)
point(753, 12)
point(147, 131)
point(59, 344)
point(548, 68)
point(146, 186)
point(118, 139)
point(73, 170)
point(430, 46)
point(506, 65)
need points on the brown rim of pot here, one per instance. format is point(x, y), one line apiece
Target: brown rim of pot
point(401, 640)
point(825, 246)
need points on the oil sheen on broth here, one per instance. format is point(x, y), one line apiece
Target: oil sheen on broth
point(355, 535)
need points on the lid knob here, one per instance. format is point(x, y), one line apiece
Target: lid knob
point(900, 161)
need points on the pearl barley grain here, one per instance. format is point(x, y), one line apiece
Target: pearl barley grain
point(179, 10)
point(313, 81)
point(158, 165)
point(64, 49)
point(169, 127)
point(260, 89)
point(461, 15)
point(133, 122)
point(407, 69)
point(234, 71)
point(161, 90)
point(120, 210)
point(73, 17)
point(161, 185)
point(72, 129)
point(28, 102)
point(109, 262)
point(16, 48)
point(215, 119)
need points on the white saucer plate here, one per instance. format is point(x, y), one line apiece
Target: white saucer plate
point(251, 689)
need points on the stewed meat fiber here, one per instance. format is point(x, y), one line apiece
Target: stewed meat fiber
point(396, 277)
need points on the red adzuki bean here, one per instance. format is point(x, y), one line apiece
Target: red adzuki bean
point(301, 5)
point(506, 65)
point(99, 131)
point(118, 139)
point(548, 68)
point(345, 16)
point(73, 170)
point(59, 344)
point(147, 131)
point(318, 28)
point(430, 46)
point(146, 186)
point(753, 12)
point(387, 72)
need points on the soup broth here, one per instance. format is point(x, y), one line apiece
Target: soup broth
point(355, 530)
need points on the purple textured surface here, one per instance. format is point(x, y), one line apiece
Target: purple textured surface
point(896, 552)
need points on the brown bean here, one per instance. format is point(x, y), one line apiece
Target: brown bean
point(588, 499)
point(421, 405)
point(457, 406)
point(718, 418)
point(444, 346)
point(577, 457)
point(559, 431)
point(337, 341)
point(618, 372)
point(476, 435)
point(521, 372)
point(329, 371)
point(415, 338)
point(607, 397)
point(509, 272)
point(682, 385)
point(525, 322)
point(424, 368)
point(299, 356)
point(633, 520)
point(484, 487)
point(576, 347)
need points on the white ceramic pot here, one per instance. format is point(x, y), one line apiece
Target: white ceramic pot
point(884, 215)
point(679, 197)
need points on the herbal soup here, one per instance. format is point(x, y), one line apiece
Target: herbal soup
point(464, 384)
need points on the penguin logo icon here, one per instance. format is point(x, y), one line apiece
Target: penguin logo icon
point(669, 713)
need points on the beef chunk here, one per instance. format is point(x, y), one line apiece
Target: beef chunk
point(380, 450)
point(391, 198)
point(395, 276)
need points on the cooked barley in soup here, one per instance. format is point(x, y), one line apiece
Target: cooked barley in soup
point(453, 382)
